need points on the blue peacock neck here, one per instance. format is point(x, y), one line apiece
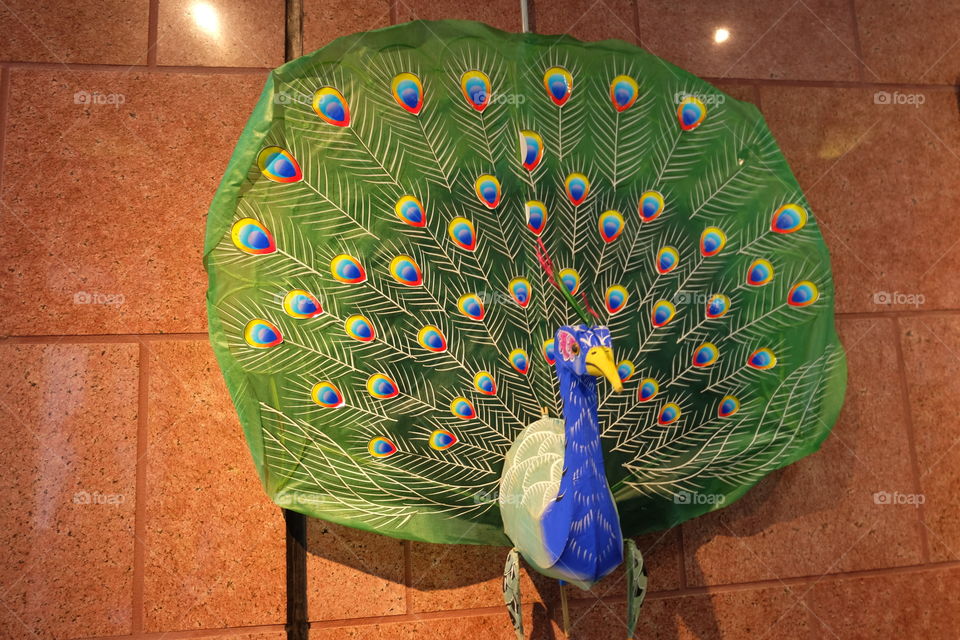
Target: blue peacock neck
point(582, 427)
point(583, 527)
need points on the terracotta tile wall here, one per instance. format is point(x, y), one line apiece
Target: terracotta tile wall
point(130, 508)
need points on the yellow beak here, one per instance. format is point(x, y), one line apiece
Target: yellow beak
point(600, 363)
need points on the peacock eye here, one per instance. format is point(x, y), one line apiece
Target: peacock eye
point(575, 349)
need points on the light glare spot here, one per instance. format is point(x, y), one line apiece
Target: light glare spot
point(206, 18)
point(721, 35)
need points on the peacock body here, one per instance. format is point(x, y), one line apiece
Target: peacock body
point(432, 241)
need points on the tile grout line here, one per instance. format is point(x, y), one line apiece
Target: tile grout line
point(683, 556)
point(408, 575)
point(140, 512)
point(153, 32)
point(911, 440)
point(4, 102)
point(394, 16)
point(857, 45)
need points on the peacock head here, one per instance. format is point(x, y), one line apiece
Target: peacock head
point(583, 351)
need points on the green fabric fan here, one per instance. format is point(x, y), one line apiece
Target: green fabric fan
point(476, 287)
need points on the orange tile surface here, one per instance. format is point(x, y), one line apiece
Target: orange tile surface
point(821, 515)
point(85, 31)
point(445, 577)
point(587, 19)
point(104, 203)
point(877, 174)
point(910, 41)
point(502, 14)
point(353, 573)
point(781, 39)
point(321, 25)
point(221, 33)
point(108, 162)
point(69, 418)
point(214, 541)
point(931, 350)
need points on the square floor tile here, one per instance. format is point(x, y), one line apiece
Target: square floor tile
point(321, 25)
point(931, 351)
point(83, 31)
point(214, 541)
point(106, 182)
point(821, 515)
point(882, 177)
point(221, 33)
point(915, 41)
point(69, 421)
point(782, 39)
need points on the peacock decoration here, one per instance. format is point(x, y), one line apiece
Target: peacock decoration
point(476, 287)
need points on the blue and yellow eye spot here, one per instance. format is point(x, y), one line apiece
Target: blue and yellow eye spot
point(487, 188)
point(432, 339)
point(406, 271)
point(520, 291)
point(410, 210)
point(570, 279)
point(717, 306)
point(463, 409)
point(381, 448)
point(382, 387)
point(712, 241)
point(549, 351)
point(667, 260)
point(647, 390)
point(471, 306)
point(536, 213)
point(531, 149)
point(484, 383)
point(610, 224)
point(728, 406)
point(330, 105)
point(559, 85)
point(262, 334)
point(441, 439)
point(462, 233)
point(519, 361)
point(788, 219)
point(625, 370)
point(663, 312)
point(669, 414)
point(623, 92)
point(803, 294)
point(359, 328)
point(326, 394)
point(705, 355)
point(691, 112)
point(615, 299)
point(475, 86)
point(650, 205)
point(577, 188)
point(347, 269)
point(251, 236)
point(759, 273)
point(278, 165)
point(301, 304)
point(408, 92)
point(762, 359)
